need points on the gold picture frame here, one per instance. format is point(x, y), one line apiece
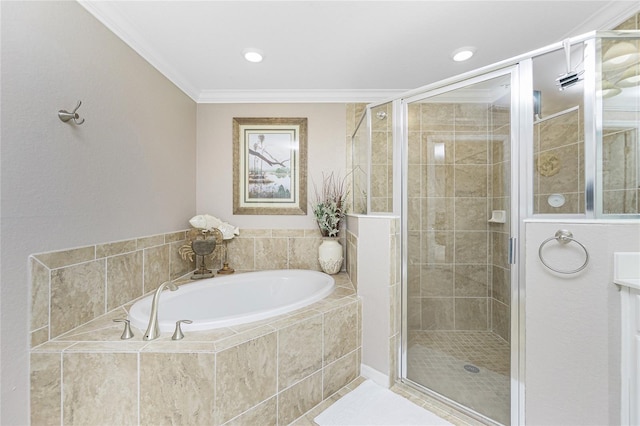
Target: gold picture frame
point(270, 166)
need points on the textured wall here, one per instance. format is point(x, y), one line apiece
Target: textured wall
point(127, 171)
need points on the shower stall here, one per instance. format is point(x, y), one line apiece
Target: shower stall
point(463, 162)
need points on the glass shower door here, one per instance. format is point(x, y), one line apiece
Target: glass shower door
point(458, 227)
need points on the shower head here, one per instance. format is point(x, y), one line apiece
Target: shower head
point(571, 77)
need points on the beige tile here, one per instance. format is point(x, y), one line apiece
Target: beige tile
point(59, 259)
point(437, 117)
point(471, 181)
point(299, 398)
point(437, 214)
point(100, 388)
point(38, 337)
point(176, 388)
point(156, 267)
point(471, 149)
point(124, 279)
point(242, 254)
point(115, 248)
point(339, 373)
point(287, 233)
point(470, 117)
point(245, 375)
point(471, 281)
point(500, 320)
point(271, 253)
point(566, 179)
point(242, 337)
point(500, 288)
point(559, 131)
point(471, 247)
point(437, 313)
point(264, 414)
point(303, 253)
point(438, 181)
point(173, 237)
point(436, 281)
point(255, 233)
point(45, 388)
point(437, 247)
point(39, 294)
point(299, 351)
point(151, 241)
point(471, 214)
point(77, 295)
point(340, 332)
point(471, 313)
point(414, 313)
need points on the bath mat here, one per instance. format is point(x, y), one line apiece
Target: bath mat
point(371, 404)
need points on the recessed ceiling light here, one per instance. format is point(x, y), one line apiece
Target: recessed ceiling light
point(463, 53)
point(253, 55)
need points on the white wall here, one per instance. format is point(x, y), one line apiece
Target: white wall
point(128, 171)
point(326, 153)
point(572, 325)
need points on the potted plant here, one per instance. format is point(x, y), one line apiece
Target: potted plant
point(329, 209)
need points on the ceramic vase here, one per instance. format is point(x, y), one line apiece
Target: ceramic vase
point(330, 255)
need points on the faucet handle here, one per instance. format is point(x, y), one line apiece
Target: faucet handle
point(178, 334)
point(127, 333)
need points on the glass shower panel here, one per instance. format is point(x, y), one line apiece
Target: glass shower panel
point(558, 175)
point(359, 167)
point(458, 276)
point(619, 153)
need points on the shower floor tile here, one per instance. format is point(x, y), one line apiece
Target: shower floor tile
point(437, 360)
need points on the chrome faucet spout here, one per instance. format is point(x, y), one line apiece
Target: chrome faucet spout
point(153, 330)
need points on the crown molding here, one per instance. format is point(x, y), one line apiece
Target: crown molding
point(607, 18)
point(103, 12)
point(295, 96)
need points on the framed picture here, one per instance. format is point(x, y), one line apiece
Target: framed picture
point(270, 166)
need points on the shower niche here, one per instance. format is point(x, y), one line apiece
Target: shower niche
point(553, 133)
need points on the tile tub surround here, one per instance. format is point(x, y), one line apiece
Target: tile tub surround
point(273, 370)
point(72, 287)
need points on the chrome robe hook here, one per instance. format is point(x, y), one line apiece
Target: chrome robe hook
point(73, 115)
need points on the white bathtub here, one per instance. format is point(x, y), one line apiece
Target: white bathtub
point(227, 300)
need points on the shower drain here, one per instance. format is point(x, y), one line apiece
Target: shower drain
point(471, 368)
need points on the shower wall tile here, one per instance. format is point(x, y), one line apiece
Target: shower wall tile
point(169, 384)
point(471, 149)
point(299, 351)
point(471, 181)
point(438, 148)
point(471, 281)
point(178, 266)
point(437, 313)
point(501, 324)
point(436, 281)
point(77, 295)
point(437, 117)
point(100, 386)
point(559, 131)
point(45, 389)
point(471, 313)
point(500, 289)
point(471, 117)
point(437, 214)
point(438, 181)
point(414, 115)
point(437, 247)
point(415, 153)
point(124, 279)
point(471, 247)
point(152, 241)
point(245, 375)
point(471, 214)
point(241, 254)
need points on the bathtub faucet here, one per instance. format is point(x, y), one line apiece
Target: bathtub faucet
point(153, 330)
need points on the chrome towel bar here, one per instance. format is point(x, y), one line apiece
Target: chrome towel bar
point(564, 237)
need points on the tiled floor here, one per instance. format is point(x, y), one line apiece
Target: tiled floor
point(451, 415)
point(444, 362)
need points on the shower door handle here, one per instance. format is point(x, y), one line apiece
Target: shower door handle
point(512, 251)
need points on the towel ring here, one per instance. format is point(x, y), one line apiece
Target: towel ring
point(564, 237)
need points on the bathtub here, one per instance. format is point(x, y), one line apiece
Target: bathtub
point(227, 300)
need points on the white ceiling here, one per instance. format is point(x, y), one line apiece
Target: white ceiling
point(338, 51)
